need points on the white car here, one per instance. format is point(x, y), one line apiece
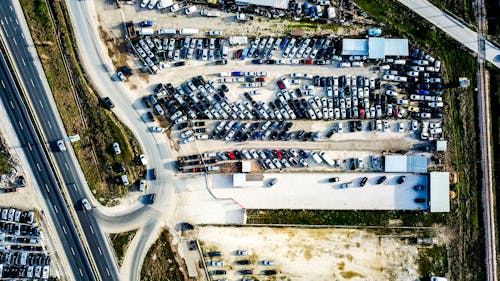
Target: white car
point(86, 204)
point(175, 8)
point(61, 145)
point(116, 148)
point(215, 33)
point(401, 127)
point(403, 102)
point(414, 125)
point(157, 129)
point(121, 76)
point(143, 159)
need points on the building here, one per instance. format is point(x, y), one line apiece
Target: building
point(375, 47)
point(248, 180)
point(405, 164)
point(439, 197)
point(277, 4)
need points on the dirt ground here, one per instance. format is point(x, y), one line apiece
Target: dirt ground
point(312, 254)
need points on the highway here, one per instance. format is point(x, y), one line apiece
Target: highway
point(454, 28)
point(14, 29)
point(33, 149)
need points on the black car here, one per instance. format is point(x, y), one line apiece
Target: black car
point(363, 181)
point(220, 62)
point(120, 167)
point(215, 254)
point(246, 271)
point(419, 200)
point(381, 179)
point(182, 126)
point(224, 88)
point(180, 63)
point(270, 61)
point(334, 179)
point(243, 262)
point(257, 61)
point(269, 272)
point(401, 180)
point(150, 116)
point(358, 125)
point(218, 272)
point(153, 174)
point(330, 133)
point(150, 198)
point(108, 103)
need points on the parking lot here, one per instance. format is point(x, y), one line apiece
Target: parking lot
point(313, 191)
point(22, 248)
point(308, 254)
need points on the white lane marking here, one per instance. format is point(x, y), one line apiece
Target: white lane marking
point(91, 229)
point(38, 167)
point(55, 209)
point(48, 122)
point(31, 81)
point(107, 272)
point(40, 102)
point(29, 147)
point(3, 84)
point(11, 9)
point(66, 165)
point(15, 42)
point(1, 21)
point(20, 125)
point(64, 230)
point(74, 187)
point(73, 251)
point(99, 249)
point(81, 273)
point(22, 35)
point(47, 187)
point(11, 104)
point(17, 23)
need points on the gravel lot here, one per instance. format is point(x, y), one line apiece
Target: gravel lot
point(313, 254)
point(313, 191)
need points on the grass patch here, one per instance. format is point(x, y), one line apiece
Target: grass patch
point(353, 218)
point(461, 8)
point(100, 128)
point(432, 261)
point(120, 242)
point(162, 263)
point(5, 164)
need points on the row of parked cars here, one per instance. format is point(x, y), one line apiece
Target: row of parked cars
point(215, 261)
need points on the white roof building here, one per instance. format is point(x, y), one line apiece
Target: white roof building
point(375, 47)
point(248, 180)
point(405, 164)
point(439, 197)
point(278, 4)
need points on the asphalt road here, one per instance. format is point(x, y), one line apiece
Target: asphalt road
point(49, 120)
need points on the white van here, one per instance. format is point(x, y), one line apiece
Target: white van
point(316, 158)
point(327, 158)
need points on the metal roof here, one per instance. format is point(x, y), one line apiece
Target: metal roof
point(405, 164)
point(396, 47)
point(278, 4)
point(376, 49)
point(354, 47)
point(439, 198)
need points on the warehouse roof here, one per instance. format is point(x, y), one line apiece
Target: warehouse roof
point(375, 47)
point(405, 164)
point(278, 4)
point(439, 198)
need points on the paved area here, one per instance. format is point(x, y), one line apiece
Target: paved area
point(453, 28)
point(313, 191)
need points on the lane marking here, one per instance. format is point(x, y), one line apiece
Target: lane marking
point(11, 9)
point(47, 187)
point(64, 230)
point(107, 272)
point(20, 125)
point(66, 165)
point(81, 273)
point(99, 249)
point(17, 22)
point(3, 84)
point(55, 208)
point(1, 21)
point(29, 147)
point(15, 42)
point(73, 251)
point(38, 167)
point(22, 35)
point(31, 81)
point(48, 122)
point(40, 102)
point(11, 104)
point(91, 229)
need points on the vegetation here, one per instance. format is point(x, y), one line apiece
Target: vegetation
point(120, 242)
point(5, 164)
point(432, 261)
point(354, 218)
point(80, 109)
point(162, 263)
point(461, 8)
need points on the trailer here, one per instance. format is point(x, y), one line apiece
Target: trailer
point(189, 31)
point(331, 13)
point(316, 158)
point(164, 4)
point(130, 29)
point(146, 31)
point(238, 40)
point(167, 31)
point(210, 13)
point(327, 158)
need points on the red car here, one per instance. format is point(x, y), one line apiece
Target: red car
point(261, 79)
point(362, 113)
point(395, 111)
point(230, 155)
point(281, 85)
point(238, 54)
point(309, 61)
point(277, 153)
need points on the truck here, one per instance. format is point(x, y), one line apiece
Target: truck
point(189, 31)
point(225, 74)
point(130, 29)
point(238, 40)
point(331, 13)
point(164, 4)
point(327, 158)
point(210, 13)
point(167, 31)
point(316, 158)
point(146, 31)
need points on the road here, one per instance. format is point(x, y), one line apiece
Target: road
point(34, 152)
point(132, 112)
point(453, 28)
point(20, 45)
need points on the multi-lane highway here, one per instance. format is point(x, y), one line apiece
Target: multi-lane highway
point(19, 44)
point(33, 147)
